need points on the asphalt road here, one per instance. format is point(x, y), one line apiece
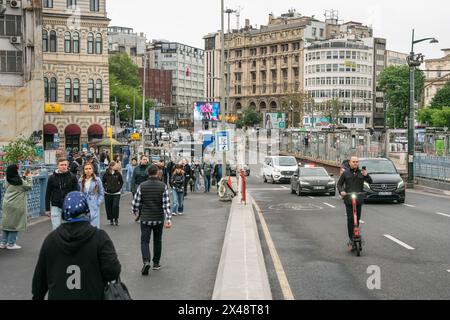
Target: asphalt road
point(310, 236)
point(190, 258)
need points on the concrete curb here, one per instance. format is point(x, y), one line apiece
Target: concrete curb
point(242, 273)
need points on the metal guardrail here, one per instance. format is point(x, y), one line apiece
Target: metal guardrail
point(431, 167)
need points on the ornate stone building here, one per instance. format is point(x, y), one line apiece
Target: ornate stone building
point(76, 75)
point(437, 78)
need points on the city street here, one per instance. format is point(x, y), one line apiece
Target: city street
point(191, 254)
point(409, 243)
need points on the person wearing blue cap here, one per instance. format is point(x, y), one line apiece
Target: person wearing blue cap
point(76, 260)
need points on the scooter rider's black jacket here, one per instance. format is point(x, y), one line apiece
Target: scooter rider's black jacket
point(352, 181)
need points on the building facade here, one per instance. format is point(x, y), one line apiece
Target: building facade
point(21, 86)
point(158, 85)
point(125, 40)
point(437, 78)
point(340, 70)
point(394, 58)
point(76, 75)
point(187, 66)
point(212, 67)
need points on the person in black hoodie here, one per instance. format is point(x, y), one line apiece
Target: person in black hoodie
point(61, 183)
point(112, 183)
point(76, 260)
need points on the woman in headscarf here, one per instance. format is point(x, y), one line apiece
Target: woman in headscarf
point(14, 208)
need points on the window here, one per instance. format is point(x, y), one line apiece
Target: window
point(53, 90)
point(91, 91)
point(94, 5)
point(11, 62)
point(68, 91)
point(48, 3)
point(98, 44)
point(76, 90)
point(76, 42)
point(71, 4)
point(90, 43)
point(67, 42)
point(52, 41)
point(99, 92)
point(46, 89)
point(45, 41)
point(10, 25)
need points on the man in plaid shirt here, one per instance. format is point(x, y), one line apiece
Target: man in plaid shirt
point(152, 204)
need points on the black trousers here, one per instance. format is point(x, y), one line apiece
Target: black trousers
point(112, 206)
point(146, 233)
point(350, 220)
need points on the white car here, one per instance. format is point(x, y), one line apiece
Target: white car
point(279, 169)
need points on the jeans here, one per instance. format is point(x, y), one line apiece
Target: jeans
point(9, 237)
point(112, 206)
point(350, 220)
point(207, 183)
point(56, 214)
point(146, 232)
point(178, 201)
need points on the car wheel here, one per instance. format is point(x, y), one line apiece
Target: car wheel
point(264, 178)
point(401, 201)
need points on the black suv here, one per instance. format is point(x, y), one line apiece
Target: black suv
point(387, 184)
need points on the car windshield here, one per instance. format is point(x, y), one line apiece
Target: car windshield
point(285, 162)
point(378, 166)
point(319, 172)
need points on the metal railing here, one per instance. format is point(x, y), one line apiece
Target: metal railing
point(432, 167)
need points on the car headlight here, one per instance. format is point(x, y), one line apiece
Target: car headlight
point(331, 183)
point(305, 183)
point(401, 184)
point(366, 186)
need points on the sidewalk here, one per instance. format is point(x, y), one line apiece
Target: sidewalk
point(190, 259)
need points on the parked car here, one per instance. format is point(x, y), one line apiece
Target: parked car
point(279, 169)
point(387, 184)
point(309, 180)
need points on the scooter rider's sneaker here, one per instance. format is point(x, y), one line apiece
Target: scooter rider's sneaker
point(351, 247)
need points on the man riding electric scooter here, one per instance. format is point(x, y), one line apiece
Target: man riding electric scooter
point(351, 183)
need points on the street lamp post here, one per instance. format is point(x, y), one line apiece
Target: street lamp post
point(414, 61)
point(143, 107)
point(222, 82)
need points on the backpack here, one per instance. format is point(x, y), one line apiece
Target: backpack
point(177, 182)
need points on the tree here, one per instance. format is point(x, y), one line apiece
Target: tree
point(442, 97)
point(299, 101)
point(425, 116)
point(394, 82)
point(333, 111)
point(251, 117)
point(441, 118)
point(20, 150)
point(125, 71)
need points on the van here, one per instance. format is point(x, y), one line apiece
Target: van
point(279, 169)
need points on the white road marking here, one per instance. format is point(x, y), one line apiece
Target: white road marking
point(285, 187)
point(327, 204)
point(409, 205)
point(311, 198)
point(443, 214)
point(399, 242)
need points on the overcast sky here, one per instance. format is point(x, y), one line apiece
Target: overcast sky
point(187, 21)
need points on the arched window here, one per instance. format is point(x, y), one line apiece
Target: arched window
point(46, 90)
point(99, 92)
point(68, 90)
point(52, 41)
point(44, 41)
point(90, 43)
point(67, 42)
point(98, 44)
point(91, 91)
point(76, 42)
point(53, 90)
point(76, 90)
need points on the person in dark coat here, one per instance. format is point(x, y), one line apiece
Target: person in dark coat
point(112, 183)
point(76, 260)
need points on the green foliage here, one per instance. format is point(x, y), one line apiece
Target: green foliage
point(19, 150)
point(251, 117)
point(394, 81)
point(442, 97)
point(435, 117)
point(124, 70)
point(425, 116)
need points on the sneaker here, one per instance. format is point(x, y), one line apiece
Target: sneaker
point(180, 213)
point(174, 214)
point(14, 247)
point(2, 246)
point(111, 223)
point(117, 223)
point(156, 266)
point(350, 246)
point(145, 269)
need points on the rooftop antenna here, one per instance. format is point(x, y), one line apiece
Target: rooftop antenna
point(238, 17)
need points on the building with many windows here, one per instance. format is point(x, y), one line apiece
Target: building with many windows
point(76, 75)
point(125, 40)
point(187, 66)
point(437, 77)
point(21, 87)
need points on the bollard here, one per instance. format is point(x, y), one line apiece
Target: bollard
point(244, 187)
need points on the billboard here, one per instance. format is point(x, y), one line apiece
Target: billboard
point(274, 120)
point(206, 111)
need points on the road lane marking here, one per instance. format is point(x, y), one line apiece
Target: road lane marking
point(282, 278)
point(409, 205)
point(286, 188)
point(399, 242)
point(443, 214)
point(327, 204)
point(311, 198)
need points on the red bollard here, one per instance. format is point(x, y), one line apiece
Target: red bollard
point(244, 187)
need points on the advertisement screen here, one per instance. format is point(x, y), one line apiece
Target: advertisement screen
point(207, 111)
point(274, 120)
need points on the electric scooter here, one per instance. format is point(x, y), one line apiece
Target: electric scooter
point(357, 240)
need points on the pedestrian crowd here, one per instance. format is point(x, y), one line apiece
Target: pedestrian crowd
point(78, 260)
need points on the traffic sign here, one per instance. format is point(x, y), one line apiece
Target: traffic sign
point(223, 141)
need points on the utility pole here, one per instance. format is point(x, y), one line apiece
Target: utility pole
point(143, 106)
point(222, 84)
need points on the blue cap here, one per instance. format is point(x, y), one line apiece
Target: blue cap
point(75, 208)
